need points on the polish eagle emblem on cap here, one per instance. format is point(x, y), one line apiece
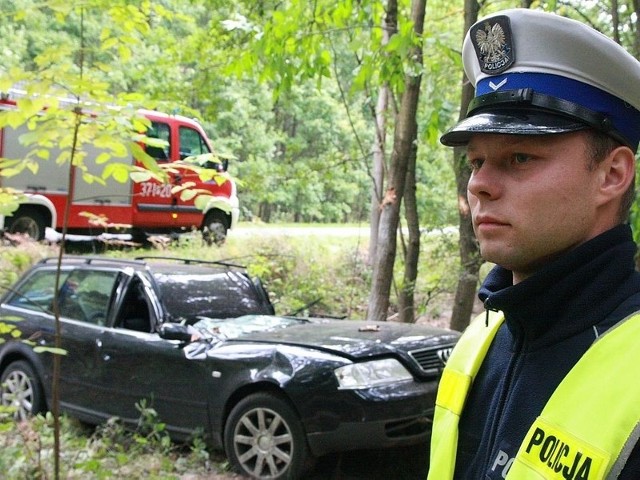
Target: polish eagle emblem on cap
point(493, 44)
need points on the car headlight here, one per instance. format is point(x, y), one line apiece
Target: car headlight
point(371, 374)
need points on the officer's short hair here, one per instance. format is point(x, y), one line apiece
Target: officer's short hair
point(598, 146)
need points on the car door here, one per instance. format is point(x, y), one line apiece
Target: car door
point(83, 301)
point(191, 144)
point(154, 203)
point(138, 365)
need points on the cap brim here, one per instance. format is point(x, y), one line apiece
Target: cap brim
point(509, 123)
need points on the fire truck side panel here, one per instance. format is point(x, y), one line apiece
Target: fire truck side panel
point(149, 206)
point(51, 177)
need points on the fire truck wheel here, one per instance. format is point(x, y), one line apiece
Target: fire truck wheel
point(27, 220)
point(214, 231)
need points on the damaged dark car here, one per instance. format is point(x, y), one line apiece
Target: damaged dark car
point(201, 344)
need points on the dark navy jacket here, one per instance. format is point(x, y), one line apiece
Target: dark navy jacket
point(551, 318)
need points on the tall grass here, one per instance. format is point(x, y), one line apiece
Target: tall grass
point(313, 271)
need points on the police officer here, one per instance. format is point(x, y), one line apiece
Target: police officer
point(544, 384)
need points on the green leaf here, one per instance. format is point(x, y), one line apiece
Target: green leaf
point(9, 201)
point(109, 43)
point(53, 350)
point(103, 157)
point(187, 195)
point(90, 178)
point(118, 171)
point(141, 176)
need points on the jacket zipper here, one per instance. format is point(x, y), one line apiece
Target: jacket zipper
point(516, 358)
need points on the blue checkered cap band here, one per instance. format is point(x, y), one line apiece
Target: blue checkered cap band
point(534, 66)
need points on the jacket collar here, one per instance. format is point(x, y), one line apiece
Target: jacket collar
point(571, 293)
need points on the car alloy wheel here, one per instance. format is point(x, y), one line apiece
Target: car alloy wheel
point(264, 438)
point(21, 390)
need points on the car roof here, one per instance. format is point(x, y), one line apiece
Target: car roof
point(77, 261)
point(215, 288)
point(162, 264)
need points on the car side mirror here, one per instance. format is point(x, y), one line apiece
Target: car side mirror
point(175, 331)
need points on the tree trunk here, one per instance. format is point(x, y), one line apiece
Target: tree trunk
point(412, 250)
point(389, 28)
point(615, 21)
point(378, 169)
point(404, 136)
point(636, 29)
point(469, 251)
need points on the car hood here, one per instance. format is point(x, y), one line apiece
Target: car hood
point(351, 338)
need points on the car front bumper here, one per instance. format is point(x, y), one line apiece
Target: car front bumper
point(373, 418)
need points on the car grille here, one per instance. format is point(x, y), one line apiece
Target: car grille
point(433, 359)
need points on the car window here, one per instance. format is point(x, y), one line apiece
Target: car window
point(36, 292)
point(135, 312)
point(162, 132)
point(191, 143)
point(85, 295)
point(191, 295)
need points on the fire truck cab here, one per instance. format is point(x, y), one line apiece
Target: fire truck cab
point(142, 208)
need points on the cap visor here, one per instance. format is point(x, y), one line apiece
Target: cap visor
point(509, 123)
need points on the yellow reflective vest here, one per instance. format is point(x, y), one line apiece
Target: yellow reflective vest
point(586, 430)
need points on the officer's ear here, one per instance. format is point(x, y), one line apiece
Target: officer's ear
point(617, 172)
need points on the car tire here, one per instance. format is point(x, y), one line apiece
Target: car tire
point(214, 231)
point(264, 438)
point(28, 221)
point(20, 388)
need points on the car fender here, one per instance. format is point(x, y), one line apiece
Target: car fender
point(38, 201)
point(276, 366)
point(12, 351)
point(229, 206)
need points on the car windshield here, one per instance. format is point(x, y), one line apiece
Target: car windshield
point(205, 293)
point(235, 327)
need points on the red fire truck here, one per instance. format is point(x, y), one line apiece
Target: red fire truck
point(142, 208)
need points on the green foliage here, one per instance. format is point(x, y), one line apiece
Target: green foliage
point(439, 271)
point(110, 451)
point(312, 277)
point(288, 87)
point(299, 42)
point(285, 87)
point(16, 258)
point(151, 431)
point(64, 98)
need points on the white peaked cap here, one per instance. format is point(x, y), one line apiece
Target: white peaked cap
point(539, 73)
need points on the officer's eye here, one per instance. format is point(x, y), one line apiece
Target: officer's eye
point(475, 163)
point(521, 158)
